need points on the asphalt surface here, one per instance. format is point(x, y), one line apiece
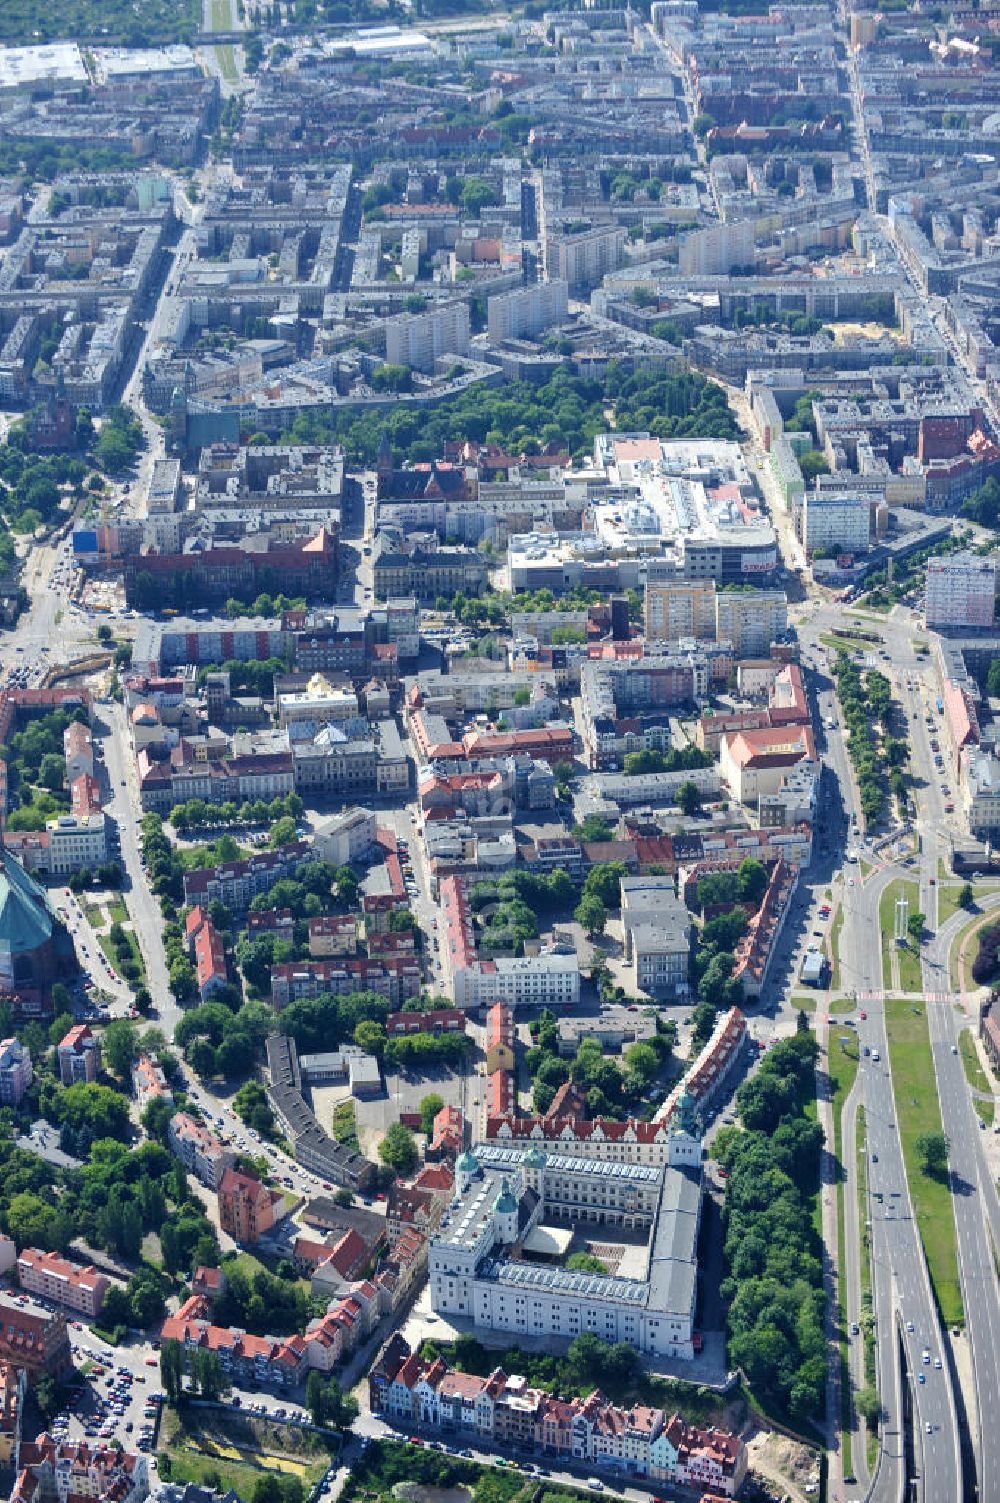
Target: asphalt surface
point(902, 1293)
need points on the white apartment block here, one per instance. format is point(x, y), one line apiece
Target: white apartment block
point(961, 590)
point(528, 311)
point(678, 609)
point(519, 981)
point(750, 619)
point(76, 841)
point(343, 838)
point(418, 339)
point(583, 260)
point(715, 251)
point(839, 522)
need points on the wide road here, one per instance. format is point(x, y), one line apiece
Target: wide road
point(902, 1295)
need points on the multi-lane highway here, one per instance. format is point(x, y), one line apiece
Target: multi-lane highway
point(904, 1309)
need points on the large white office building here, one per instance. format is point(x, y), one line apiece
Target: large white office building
point(490, 1261)
point(961, 590)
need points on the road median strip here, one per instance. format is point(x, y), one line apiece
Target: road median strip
point(918, 1111)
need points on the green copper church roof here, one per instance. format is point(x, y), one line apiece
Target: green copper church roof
point(26, 920)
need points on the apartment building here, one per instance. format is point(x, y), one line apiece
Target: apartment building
point(198, 1149)
point(680, 609)
point(78, 1288)
point(79, 1056)
point(420, 339)
point(13, 1387)
point(499, 1042)
point(35, 1339)
point(838, 523)
point(345, 837)
point(246, 1206)
point(410, 1391)
point(76, 841)
point(527, 311)
point(658, 932)
point(551, 979)
point(62, 1471)
point(396, 977)
point(78, 749)
point(583, 259)
point(149, 1082)
point(16, 1073)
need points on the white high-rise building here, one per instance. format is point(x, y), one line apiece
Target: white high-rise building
point(961, 590)
point(527, 311)
point(840, 522)
point(418, 339)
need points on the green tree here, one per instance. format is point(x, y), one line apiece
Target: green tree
point(604, 881)
point(591, 914)
point(120, 1046)
point(369, 1035)
point(182, 979)
point(868, 1406)
point(966, 896)
point(688, 798)
point(398, 1149)
point(915, 926)
point(932, 1151)
point(430, 1105)
point(52, 773)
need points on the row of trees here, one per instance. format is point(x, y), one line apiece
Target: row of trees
point(196, 813)
point(774, 1270)
point(866, 704)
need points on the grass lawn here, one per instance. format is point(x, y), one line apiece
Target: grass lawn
point(95, 915)
point(961, 976)
point(918, 1111)
point(117, 912)
point(247, 1263)
point(838, 925)
point(345, 1125)
point(909, 958)
point(947, 898)
point(112, 954)
point(227, 63)
point(206, 1444)
point(222, 15)
point(977, 1076)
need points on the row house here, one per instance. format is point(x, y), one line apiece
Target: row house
point(273, 1362)
point(438, 1020)
point(420, 1205)
point(54, 1471)
point(411, 1391)
point(207, 951)
point(395, 977)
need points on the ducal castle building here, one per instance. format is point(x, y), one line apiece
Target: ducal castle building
point(491, 1260)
